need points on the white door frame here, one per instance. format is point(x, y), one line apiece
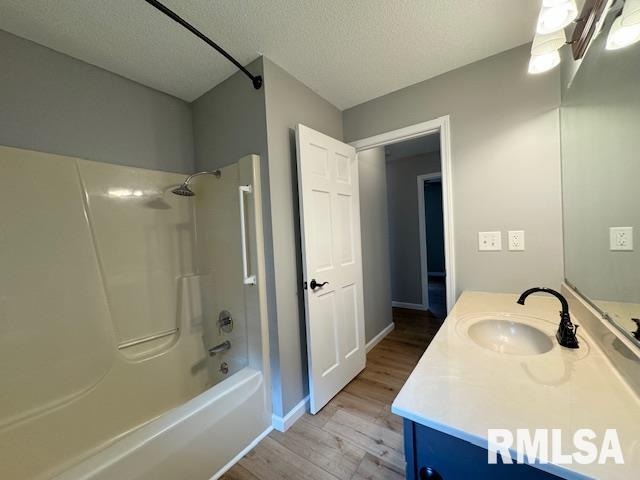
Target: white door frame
point(424, 268)
point(439, 125)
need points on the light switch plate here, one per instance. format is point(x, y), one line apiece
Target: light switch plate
point(516, 240)
point(621, 238)
point(489, 241)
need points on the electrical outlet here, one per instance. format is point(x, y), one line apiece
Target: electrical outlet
point(516, 240)
point(489, 241)
point(621, 238)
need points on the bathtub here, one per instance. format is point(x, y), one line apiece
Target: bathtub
point(111, 310)
point(201, 439)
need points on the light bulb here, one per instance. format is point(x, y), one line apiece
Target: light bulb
point(556, 16)
point(544, 63)
point(621, 36)
point(630, 13)
point(548, 43)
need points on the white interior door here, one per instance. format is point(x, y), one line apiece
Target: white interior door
point(330, 227)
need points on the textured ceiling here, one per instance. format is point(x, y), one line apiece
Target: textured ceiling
point(348, 51)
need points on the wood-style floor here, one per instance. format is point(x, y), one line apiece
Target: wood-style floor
point(355, 436)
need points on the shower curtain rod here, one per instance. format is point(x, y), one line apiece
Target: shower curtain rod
point(255, 79)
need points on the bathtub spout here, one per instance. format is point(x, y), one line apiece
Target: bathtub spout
point(223, 347)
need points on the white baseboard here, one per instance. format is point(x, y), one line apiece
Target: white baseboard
point(412, 306)
point(282, 424)
point(244, 451)
point(378, 338)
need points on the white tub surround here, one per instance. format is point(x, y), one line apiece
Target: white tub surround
point(463, 389)
point(109, 303)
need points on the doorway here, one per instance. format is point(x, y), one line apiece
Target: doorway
point(432, 247)
point(442, 285)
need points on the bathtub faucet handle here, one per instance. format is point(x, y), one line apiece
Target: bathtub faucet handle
point(223, 347)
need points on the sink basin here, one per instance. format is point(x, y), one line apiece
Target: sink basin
point(510, 337)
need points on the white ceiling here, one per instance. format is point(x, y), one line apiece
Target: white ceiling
point(411, 148)
point(348, 51)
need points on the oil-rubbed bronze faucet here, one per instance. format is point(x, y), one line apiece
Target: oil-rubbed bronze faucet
point(566, 334)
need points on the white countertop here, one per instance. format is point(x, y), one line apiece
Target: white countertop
point(621, 312)
point(463, 389)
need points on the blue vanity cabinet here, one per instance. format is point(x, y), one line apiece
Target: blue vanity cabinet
point(434, 455)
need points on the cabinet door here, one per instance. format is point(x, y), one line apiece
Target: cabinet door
point(436, 455)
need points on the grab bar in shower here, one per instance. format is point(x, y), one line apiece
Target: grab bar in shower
point(148, 338)
point(223, 347)
point(246, 278)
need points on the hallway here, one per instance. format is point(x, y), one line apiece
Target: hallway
point(355, 436)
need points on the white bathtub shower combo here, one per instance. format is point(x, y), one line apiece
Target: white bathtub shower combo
point(133, 341)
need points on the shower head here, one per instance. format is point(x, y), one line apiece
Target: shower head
point(184, 190)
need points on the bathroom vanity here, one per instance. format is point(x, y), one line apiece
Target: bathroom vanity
point(434, 455)
point(495, 364)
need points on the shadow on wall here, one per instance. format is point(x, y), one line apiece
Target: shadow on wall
point(299, 268)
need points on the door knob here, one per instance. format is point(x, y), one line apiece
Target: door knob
point(428, 473)
point(315, 284)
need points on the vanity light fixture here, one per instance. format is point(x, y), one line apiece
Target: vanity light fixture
point(550, 36)
point(625, 30)
point(548, 43)
point(556, 15)
point(631, 13)
point(621, 36)
point(544, 51)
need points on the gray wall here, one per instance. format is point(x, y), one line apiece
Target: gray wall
point(230, 122)
point(404, 227)
point(374, 226)
point(54, 103)
point(506, 163)
point(600, 170)
point(289, 102)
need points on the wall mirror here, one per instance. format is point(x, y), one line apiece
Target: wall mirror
point(600, 134)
